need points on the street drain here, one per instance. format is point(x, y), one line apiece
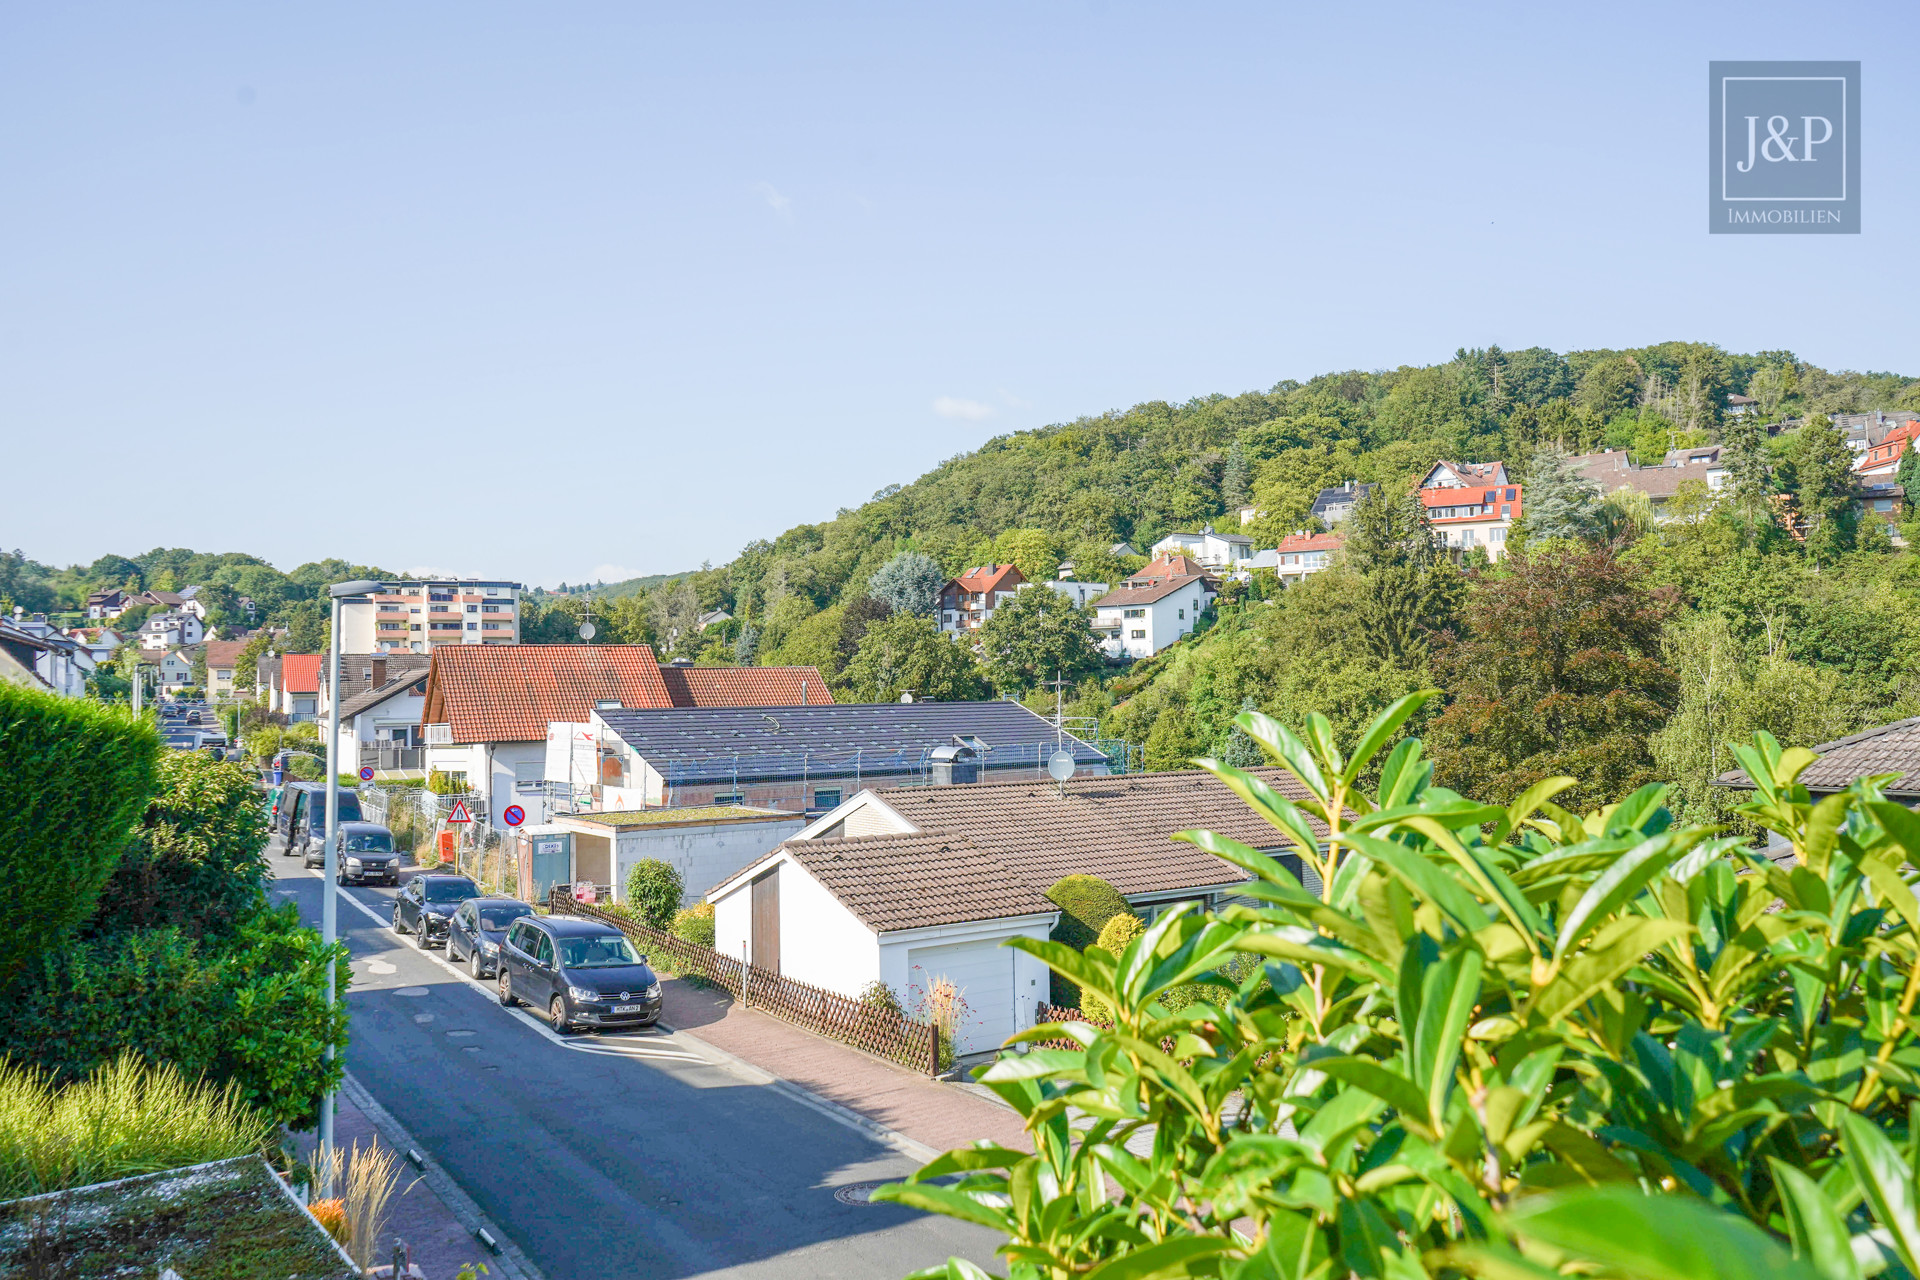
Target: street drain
point(410, 991)
point(856, 1193)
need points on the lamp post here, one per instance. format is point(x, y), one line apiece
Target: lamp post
point(330, 886)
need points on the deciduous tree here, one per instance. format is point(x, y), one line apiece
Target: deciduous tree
point(905, 653)
point(1037, 636)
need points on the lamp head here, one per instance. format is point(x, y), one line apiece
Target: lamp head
point(362, 587)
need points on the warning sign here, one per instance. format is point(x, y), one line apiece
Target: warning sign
point(460, 813)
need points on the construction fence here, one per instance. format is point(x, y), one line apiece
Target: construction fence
point(874, 1029)
point(424, 824)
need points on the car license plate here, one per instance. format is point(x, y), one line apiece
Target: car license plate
point(629, 1008)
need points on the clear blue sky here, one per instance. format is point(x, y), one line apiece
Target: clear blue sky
point(564, 291)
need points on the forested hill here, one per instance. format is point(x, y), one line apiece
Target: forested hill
point(1073, 490)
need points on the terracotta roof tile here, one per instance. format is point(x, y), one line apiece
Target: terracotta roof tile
point(1311, 542)
point(1891, 748)
point(990, 577)
point(224, 653)
point(745, 686)
point(301, 672)
point(509, 692)
point(917, 881)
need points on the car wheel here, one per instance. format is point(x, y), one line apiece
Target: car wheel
point(557, 1011)
point(399, 925)
point(479, 970)
point(422, 939)
point(506, 992)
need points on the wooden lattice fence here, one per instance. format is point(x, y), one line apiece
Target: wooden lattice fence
point(872, 1028)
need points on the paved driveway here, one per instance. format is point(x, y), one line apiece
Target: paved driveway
point(621, 1155)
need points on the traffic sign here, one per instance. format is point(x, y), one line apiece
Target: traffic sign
point(460, 813)
point(366, 773)
point(514, 815)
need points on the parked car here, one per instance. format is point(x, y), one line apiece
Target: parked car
point(427, 904)
point(182, 741)
point(583, 973)
point(302, 812)
point(477, 930)
point(364, 852)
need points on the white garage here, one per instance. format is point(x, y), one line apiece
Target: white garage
point(983, 970)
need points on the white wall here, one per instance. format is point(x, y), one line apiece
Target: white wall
point(732, 918)
point(1030, 976)
point(704, 853)
point(821, 942)
point(508, 757)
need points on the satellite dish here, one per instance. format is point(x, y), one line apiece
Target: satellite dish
point(907, 696)
point(586, 631)
point(1060, 765)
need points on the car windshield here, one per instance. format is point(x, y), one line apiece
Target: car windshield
point(370, 842)
point(451, 890)
point(596, 953)
point(502, 916)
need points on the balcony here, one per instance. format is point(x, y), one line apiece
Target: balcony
point(384, 755)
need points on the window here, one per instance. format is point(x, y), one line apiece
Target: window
point(1183, 613)
point(1138, 635)
point(415, 609)
point(826, 798)
point(1133, 613)
point(732, 797)
point(1497, 535)
point(1505, 511)
point(472, 626)
point(473, 608)
point(542, 948)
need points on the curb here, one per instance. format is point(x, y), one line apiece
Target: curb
point(509, 1262)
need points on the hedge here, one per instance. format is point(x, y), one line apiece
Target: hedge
point(1086, 904)
point(79, 773)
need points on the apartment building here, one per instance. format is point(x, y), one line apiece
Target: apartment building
point(417, 617)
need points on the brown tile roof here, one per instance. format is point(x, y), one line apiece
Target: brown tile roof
point(745, 686)
point(1311, 542)
point(360, 672)
point(1147, 586)
point(224, 653)
point(1891, 748)
point(509, 692)
point(1118, 828)
point(917, 881)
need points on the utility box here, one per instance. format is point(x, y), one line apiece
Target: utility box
point(543, 857)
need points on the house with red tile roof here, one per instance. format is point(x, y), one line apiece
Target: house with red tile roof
point(1882, 461)
point(970, 599)
point(489, 710)
point(1471, 505)
point(1153, 608)
point(1299, 556)
point(296, 687)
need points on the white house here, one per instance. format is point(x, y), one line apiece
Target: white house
point(1081, 593)
point(61, 663)
point(1223, 551)
point(172, 669)
point(170, 630)
point(1299, 556)
point(382, 712)
point(914, 884)
point(1153, 608)
point(704, 844)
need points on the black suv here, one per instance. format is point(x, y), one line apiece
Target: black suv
point(302, 814)
point(582, 972)
point(426, 905)
point(365, 853)
point(478, 929)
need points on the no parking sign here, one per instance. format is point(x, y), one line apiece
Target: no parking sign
point(366, 773)
point(514, 815)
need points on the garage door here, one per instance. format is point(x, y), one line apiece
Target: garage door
point(983, 971)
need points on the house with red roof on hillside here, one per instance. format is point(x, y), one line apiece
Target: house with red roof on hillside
point(1154, 607)
point(1882, 461)
point(1299, 556)
point(970, 599)
point(1471, 506)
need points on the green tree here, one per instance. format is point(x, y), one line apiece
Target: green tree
point(1820, 476)
point(1609, 388)
point(673, 613)
point(1408, 588)
point(905, 653)
point(1909, 475)
point(855, 618)
point(654, 889)
point(309, 628)
point(246, 664)
point(1236, 478)
point(1038, 636)
point(1559, 672)
point(1559, 502)
point(909, 583)
point(1236, 747)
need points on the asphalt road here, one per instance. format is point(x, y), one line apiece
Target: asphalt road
point(625, 1154)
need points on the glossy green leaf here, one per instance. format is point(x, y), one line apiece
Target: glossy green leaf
point(1888, 1182)
point(1655, 1237)
point(1819, 1233)
point(1179, 1256)
point(1618, 885)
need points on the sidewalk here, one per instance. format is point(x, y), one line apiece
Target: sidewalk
point(439, 1244)
point(939, 1115)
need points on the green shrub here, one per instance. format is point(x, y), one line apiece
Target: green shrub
point(1086, 904)
point(654, 889)
point(127, 1118)
point(250, 1009)
point(445, 784)
point(78, 774)
point(1115, 934)
point(694, 925)
point(196, 857)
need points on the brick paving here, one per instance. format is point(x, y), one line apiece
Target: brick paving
point(941, 1115)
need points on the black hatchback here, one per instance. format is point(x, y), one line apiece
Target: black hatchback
point(427, 904)
point(478, 929)
point(583, 973)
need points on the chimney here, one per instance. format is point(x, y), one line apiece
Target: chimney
point(803, 692)
point(379, 672)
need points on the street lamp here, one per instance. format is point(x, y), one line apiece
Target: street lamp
point(329, 890)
